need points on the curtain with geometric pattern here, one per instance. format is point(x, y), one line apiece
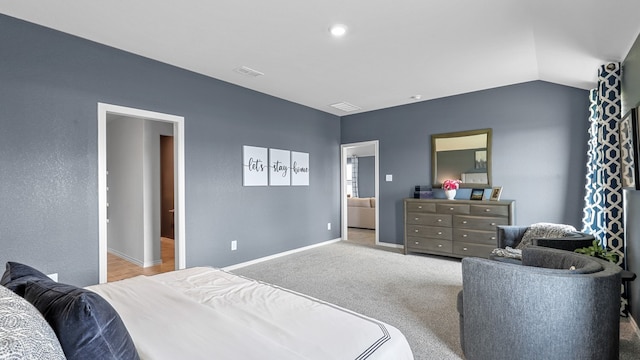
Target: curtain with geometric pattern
point(354, 176)
point(602, 215)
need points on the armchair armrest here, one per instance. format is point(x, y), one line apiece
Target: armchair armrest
point(510, 235)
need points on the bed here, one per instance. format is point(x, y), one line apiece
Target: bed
point(203, 313)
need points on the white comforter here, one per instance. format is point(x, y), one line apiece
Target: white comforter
point(206, 313)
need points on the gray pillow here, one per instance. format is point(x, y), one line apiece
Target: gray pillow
point(544, 230)
point(24, 333)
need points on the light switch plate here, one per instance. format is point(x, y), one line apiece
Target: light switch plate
point(389, 177)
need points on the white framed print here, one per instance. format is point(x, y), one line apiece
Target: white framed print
point(279, 162)
point(254, 165)
point(299, 168)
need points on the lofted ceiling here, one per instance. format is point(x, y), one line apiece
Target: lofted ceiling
point(393, 50)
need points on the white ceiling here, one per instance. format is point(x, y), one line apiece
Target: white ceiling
point(392, 51)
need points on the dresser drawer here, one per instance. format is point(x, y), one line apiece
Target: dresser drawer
point(452, 208)
point(422, 244)
point(478, 222)
point(469, 249)
point(420, 207)
point(475, 236)
point(428, 219)
point(435, 232)
point(489, 210)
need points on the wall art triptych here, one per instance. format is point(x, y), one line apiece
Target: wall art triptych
point(274, 167)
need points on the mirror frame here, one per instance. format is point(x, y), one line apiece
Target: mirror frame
point(434, 164)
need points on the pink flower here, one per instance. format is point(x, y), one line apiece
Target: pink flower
point(451, 184)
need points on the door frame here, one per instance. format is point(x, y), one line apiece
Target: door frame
point(343, 185)
point(179, 179)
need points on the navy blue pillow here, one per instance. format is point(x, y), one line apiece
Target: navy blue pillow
point(17, 275)
point(87, 326)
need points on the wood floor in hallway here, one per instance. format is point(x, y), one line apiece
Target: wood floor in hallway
point(118, 268)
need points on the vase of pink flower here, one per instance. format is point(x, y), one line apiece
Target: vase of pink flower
point(450, 186)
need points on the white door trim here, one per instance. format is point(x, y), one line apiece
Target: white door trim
point(178, 136)
point(343, 185)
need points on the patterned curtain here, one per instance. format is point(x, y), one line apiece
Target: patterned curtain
point(354, 176)
point(603, 217)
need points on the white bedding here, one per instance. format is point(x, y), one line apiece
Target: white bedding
point(206, 313)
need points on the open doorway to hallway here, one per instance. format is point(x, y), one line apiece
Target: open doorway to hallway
point(359, 196)
point(129, 184)
point(140, 193)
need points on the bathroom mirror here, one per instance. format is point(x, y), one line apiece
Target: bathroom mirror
point(463, 155)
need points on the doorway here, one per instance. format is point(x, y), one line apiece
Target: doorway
point(360, 231)
point(176, 124)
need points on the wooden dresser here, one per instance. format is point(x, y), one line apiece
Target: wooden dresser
point(457, 228)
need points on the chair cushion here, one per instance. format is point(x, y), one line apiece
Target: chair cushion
point(544, 230)
point(24, 333)
point(85, 323)
point(359, 202)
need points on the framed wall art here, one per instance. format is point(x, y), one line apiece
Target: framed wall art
point(254, 166)
point(279, 164)
point(299, 169)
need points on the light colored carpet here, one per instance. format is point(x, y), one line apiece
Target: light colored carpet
point(416, 294)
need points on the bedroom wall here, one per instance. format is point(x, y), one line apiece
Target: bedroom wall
point(631, 98)
point(539, 148)
point(51, 84)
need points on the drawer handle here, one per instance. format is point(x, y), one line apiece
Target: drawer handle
point(416, 219)
point(464, 235)
point(487, 210)
point(464, 249)
point(493, 224)
point(439, 220)
point(493, 238)
point(420, 207)
point(439, 245)
point(417, 243)
point(464, 221)
point(451, 209)
point(416, 230)
point(439, 232)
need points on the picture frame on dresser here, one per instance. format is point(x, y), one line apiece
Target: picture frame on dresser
point(477, 194)
point(495, 193)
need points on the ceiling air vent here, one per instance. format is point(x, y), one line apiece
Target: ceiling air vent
point(246, 71)
point(345, 106)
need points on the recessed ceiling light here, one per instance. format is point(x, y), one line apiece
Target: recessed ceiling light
point(338, 30)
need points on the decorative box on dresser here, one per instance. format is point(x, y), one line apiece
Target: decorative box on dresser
point(457, 228)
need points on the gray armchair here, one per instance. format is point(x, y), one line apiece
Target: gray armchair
point(556, 305)
point(511, 235)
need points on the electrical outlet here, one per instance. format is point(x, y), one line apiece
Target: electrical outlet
point(234, 245)
point(328, 226)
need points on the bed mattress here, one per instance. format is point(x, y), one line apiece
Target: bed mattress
point(206, 313)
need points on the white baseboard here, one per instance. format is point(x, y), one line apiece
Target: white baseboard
point(274, 256)
point(137, 262)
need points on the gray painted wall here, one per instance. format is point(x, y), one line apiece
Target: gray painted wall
point(631, 78)
point(366, 176)
point(51, 84)
point(631, 98)
point(539, 148)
